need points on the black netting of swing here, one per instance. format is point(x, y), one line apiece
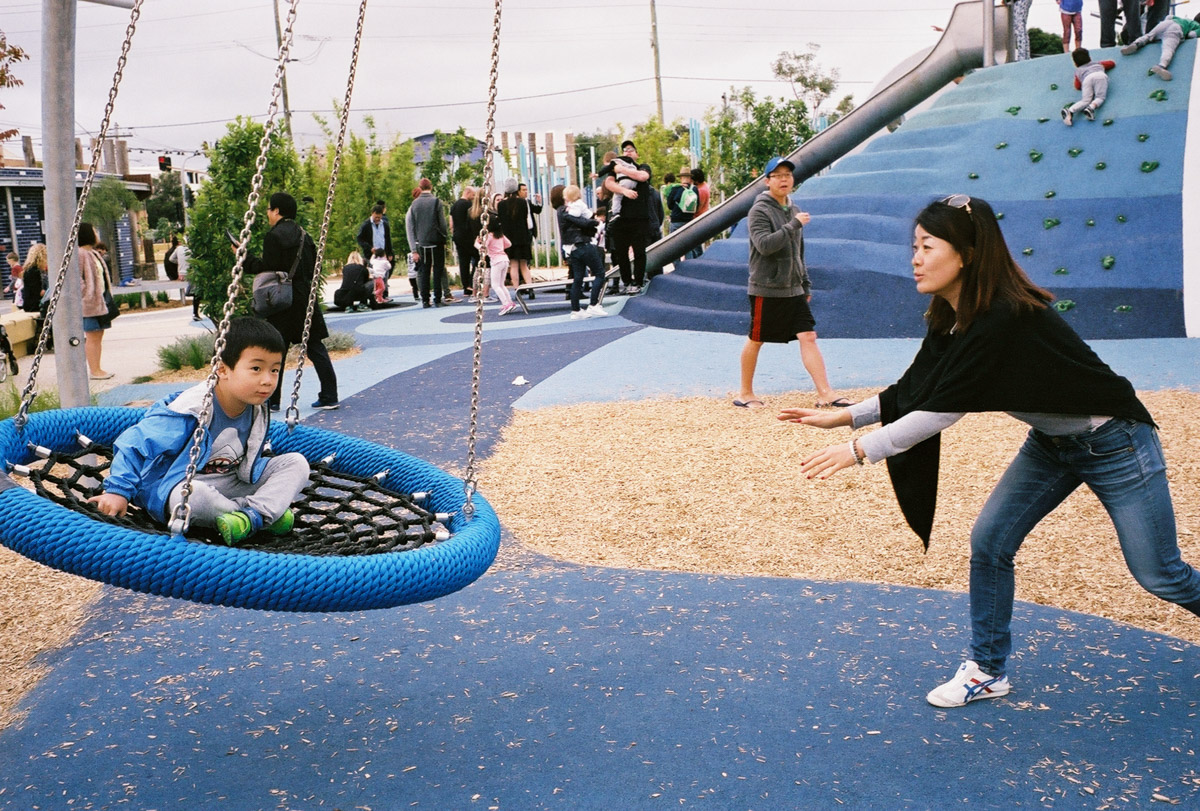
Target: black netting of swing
point(337, 514)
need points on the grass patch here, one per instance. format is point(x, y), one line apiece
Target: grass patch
point(196, 351)
point(10, 401)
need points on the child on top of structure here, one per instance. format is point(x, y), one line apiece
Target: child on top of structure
point(494, 246)
point(236, 489)
point(611, 161)
point(1172, 31)
point(1092, 79)
point(380, 267)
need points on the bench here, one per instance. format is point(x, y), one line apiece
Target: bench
point(22, 331)
point(562, 284)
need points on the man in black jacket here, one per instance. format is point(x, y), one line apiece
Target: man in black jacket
point(376, 232)
point(279, 253)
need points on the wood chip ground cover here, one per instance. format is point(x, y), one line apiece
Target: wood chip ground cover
point(696, 485)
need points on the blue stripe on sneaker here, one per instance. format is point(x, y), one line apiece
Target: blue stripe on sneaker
point(977, 686)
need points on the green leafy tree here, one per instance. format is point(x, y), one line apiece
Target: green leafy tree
point(746, 131)
point(663, 147)
point(369, 171)
point(810, 84)
point(10, 55)
point(108, 202)
point(447, 167)
point(166, 200)
point(1043, 43)
point(221, 205)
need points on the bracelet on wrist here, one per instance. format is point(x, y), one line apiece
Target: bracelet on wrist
point(859, 456)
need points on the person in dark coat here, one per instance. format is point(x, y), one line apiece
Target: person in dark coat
point(357, 288)
point(279, 253)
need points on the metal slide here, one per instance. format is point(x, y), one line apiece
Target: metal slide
point(960, 49)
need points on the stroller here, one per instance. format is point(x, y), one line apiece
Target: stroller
point(8, 361)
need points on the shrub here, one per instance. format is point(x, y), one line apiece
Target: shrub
point(338, 341)
point(10, 400)
point(162, 297)
point(190, 351)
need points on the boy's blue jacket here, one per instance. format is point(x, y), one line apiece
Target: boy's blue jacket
point(150, 458)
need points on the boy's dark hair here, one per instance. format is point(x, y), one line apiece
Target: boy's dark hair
point(1081, 57)
point(248, 331)
point(377, 208)
point(284, 203)
point(698, 175)
point(377, 252)
point(669, 177)
point(87, 234)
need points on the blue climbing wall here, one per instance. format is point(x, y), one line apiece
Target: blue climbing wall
point(1093, 212)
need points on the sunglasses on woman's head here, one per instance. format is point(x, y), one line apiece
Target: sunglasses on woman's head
point(959, 201)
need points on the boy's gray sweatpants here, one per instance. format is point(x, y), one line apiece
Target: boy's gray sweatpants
point(1171, 35)
point(214, 495)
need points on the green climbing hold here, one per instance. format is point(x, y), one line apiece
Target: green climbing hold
point(973, 176)
point(1108, 122)
point(1050, 222)
point(1061, 271)
point(1002, 145)
point(1089, 222)
point(1158, 95)
point(1050, 194)
point(1028, 251)
point(1102, 166)
point(1043, 120)
point(1108, 262)
point(1143, 137)
point(1013, 110)
point(1149, 166)
point(999, 215)
point(1054, 87)
point(1123, 308)
point(1034, 155)
point(1074, 152)
point(1122, 218)
point(1062, 305)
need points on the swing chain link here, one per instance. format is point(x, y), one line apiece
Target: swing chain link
point(28, 392)
point(181, 516)
point(489, 182)
point(293, 411)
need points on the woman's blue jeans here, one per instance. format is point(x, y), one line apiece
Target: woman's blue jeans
point(1122, 463)
point(585, 258)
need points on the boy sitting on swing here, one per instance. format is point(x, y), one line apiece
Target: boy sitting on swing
point(235, 488)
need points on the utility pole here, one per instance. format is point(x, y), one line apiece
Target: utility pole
point(287, 110)
point(657, 71)
point(58, 175)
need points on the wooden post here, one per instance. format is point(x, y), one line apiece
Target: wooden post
point(27, 148)
point(571, 162)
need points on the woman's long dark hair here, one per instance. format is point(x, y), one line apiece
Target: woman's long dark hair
point(989, 271)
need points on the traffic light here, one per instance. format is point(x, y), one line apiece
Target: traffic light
point(164, 163)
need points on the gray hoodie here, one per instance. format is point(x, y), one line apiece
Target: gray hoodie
point(776, 250)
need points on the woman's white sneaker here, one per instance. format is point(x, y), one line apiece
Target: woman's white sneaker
point(969, 683)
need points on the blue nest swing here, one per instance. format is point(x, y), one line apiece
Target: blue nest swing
point(174, 566)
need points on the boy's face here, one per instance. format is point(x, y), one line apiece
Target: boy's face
point(252, 379)
point(780, 182)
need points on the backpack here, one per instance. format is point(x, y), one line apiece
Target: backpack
point(688, 200)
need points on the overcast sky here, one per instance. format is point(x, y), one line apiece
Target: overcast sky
point(564, 64)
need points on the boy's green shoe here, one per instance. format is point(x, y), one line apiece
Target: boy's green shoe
point(283, 524)
point(234, 526)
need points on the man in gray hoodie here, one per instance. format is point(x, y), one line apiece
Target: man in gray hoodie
point(779, 286)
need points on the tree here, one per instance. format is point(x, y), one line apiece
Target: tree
point(809, 84)
point(663, 147)
point(166, 200)
point(221, 206)
point(1043, 43)
point(108, 202)
point(745, 132)
point(10, 55)
point(446, 166)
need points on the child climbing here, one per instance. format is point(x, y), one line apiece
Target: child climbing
point(1092, 79)
point(1172, 31)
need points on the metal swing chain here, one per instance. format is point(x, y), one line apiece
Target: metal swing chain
point(293, 412)
point(489, 182)
point(27, 393)
point(181, 516)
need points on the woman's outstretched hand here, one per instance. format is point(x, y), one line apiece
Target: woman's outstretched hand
point(827, 461)
point(818, 419)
